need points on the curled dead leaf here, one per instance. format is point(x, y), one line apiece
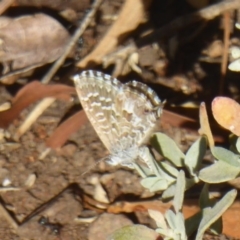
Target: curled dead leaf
point(30, 40)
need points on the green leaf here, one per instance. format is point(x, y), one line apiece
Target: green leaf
point(192, 223)
point(219, 172)
point(179, 194)
point(168, 149)
point(210, 215)
point(159, 218)
point(226, 156)
point(154, 184)
point(156, 169)
point(195, 155)
point(217, 227)
point(134, 232)
point(172, 171)
point(205, 202)
point(169, 192)
point(142, 170)
point(204, 197)
point(181, 225)
point(170, 216)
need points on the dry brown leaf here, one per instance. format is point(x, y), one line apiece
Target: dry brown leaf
point(204, 125)
point(226, 112)
point(30, 40)
point(31, 93)
point(132, 14)
point(62, 133)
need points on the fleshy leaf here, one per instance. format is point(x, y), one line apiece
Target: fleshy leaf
point(204, 197)
point(226, 156)
point(168, 149)
point(179, 194)
point(154, 184)
point(205, 202)
point(158, 218)
point(170, 216)
point(169, 192)
point(181, 225)
point(195, 155)
point(210, 215)
point(219, 172)
point(169, 169)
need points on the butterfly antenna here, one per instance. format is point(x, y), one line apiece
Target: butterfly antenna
point(93, 166)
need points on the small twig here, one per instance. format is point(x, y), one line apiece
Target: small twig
point(178, 24)
point(7, 216)
point(72, 42)
point(44, 153)
point(38, 110)
point(224, 63)
point(85, 220)
point(7, 189)
point(49, 203)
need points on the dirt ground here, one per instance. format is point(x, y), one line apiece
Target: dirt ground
point(60, 195)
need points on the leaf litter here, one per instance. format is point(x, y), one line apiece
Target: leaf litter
point(56, 172)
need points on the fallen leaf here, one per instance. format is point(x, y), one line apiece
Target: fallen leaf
point(31, 40)
point(68, 127)
point(31, 93)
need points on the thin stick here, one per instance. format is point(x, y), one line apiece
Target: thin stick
point(37, 111)
point(227, 32)
point(8, 217)
point(72, 42)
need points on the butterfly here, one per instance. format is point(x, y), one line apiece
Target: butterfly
point(123, 115)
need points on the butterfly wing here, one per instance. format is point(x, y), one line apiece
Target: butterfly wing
point(97, 93)
point(122, 114)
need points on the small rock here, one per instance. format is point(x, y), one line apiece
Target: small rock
point(30, 180)
point(106, 224)
point(68, 150)
point(6, 182)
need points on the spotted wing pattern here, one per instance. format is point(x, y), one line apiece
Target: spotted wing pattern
point(123, 115)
